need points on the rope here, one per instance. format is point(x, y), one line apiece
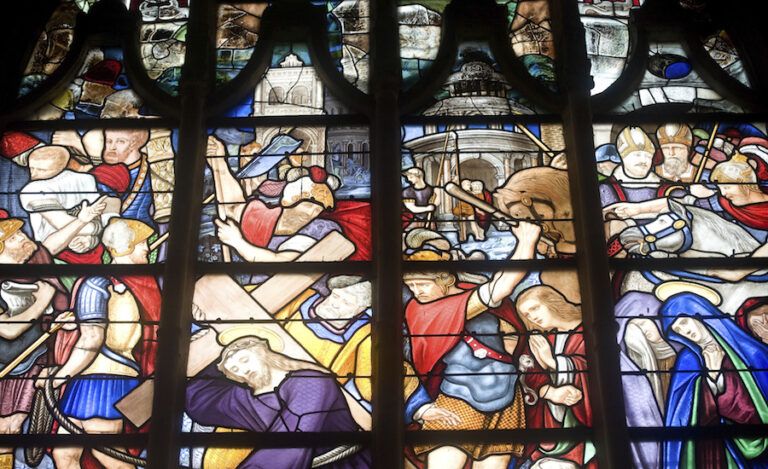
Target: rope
point(68, 425)
point(336, 454)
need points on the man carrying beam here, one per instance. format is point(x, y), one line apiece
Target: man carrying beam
point(307, 211)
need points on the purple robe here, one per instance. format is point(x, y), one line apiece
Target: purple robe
point(306, 401)
point(639, 401)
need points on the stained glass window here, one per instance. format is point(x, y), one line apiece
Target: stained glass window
point(428, 234)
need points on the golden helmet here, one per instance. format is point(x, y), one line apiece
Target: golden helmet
point(123, 234)
point(735, 170)
point(8, 227)
point(674, 133)
point(633, 139)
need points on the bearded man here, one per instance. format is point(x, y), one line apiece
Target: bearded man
point(675, 141)
point(24, 303)
point(460, 332)
point(336, 330)
point(256, 389)
point(124, 147)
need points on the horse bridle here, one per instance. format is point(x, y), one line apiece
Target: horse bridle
point(678, 224)
point(549, 232)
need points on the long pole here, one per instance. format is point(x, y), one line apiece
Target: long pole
point(705, 157)
point(34, 345)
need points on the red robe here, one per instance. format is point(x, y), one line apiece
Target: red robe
point(436, 327)
point(575, 350)
point(752, 215)
point(258, 224)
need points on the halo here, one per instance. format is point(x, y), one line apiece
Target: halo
point(673, 287)
point(233, 333)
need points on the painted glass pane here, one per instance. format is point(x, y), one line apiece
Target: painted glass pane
point(529, 31)
point(85, 344)
point(52, 46)
point(291, 349)
point(497, 351)
point(477, 86)
point(342, 455)
point(348, 38)
point(236, 35)
point(289, 87)
point(684, 189)
point(670, 78)
point(679, 454)
point(465, 186)
point(100, 90)
point(720, 47)
point(606, 33)
point(274, 193)
point(163, 33)
point(419, 25)
point(48, 458)
point(67, 189)
point(693, 352)
point(347, 25)
point(530, 34)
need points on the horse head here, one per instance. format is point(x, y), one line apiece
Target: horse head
point(539, 194)
point(669, 233)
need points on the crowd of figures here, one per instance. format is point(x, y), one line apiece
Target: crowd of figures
point(82, 343)
point(693, 342)
point(292, 352)
point(506, 351)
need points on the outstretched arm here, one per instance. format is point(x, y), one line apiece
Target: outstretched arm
point(229, 193)
point(504, 282)
point(229, 233)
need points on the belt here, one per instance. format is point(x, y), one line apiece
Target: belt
point(480, 350)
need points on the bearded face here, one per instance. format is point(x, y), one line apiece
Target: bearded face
point(19, 248)
point(249, 367)
point(675, 158)
point(342, 305)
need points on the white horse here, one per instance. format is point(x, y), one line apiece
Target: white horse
point(687, 231)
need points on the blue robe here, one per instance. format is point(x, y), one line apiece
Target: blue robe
point(688, 384)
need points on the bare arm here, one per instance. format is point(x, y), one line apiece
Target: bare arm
point(413, 208)
point(85, 351)
point(229, 233)
point(229, 193)
point(504, 282)
point(58, 241)
point(12, 327)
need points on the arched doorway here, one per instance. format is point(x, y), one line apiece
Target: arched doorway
point(480, 169)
